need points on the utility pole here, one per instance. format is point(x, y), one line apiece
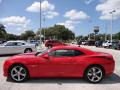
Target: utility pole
point(44, 27)
point(90, 21)
point(111, 26)
point(40, 21)
point(106, 31)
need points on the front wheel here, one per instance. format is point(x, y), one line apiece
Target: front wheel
point(18, 73)
point(94, 74)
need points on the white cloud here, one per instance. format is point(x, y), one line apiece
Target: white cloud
point(47, 8)
point(35, 7)
point(69, 24)
point(15, 23)
point(51, 14)
point(76, 15)
point(106, 7)
point(88, 1)
point(74, 18)
point(15, 20)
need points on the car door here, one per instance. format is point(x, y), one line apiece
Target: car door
point(4, 50)
point(58, 63)
point(19, 47)
point(8, 48)
point(69, 62)
point(62, 62)
point(12, 48)
point(78, 62)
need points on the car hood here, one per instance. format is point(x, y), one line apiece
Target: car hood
point(24, 56)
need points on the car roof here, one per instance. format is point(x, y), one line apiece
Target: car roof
point(87, 51)
point(53, 40)
point(16, 41)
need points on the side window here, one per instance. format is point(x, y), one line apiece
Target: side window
point(9, 44)
point(78, 53)
point(23, 43)
point(51, 53)
point(19, 44)
point(15, 44)
point(62, 53)
point(66, 53)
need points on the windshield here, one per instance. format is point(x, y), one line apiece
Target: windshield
point(41, 52)
point(4, 43)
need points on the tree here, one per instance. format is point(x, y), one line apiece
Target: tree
point(29, 34)
point(58, 32)
point(12, 37)
point(3, 32)
point(80, 37)
point(116, 36)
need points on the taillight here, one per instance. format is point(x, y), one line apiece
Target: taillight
point(109, 58)
point(105, 57)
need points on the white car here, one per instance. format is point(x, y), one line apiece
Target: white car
point(107, 44)
point(74, 42)
point(84, 43)
point(15, 47)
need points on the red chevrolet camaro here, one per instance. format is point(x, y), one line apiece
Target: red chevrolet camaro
point(60, 61)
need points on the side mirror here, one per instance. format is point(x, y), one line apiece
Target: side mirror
point(46, 56)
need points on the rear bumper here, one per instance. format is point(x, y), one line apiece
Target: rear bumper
point(109, 67)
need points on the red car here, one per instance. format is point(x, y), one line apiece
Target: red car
point(60, 61)
point(52, 43)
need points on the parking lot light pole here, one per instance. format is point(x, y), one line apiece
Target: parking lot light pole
point(89, 21)
point(112, 23)
point(44, 19)
point(40, 21)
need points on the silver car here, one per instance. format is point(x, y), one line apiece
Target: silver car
point(15, 47)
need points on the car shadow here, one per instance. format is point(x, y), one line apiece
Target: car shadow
point(7, 55)
point(113, 79)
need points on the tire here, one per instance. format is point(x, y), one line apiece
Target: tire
point(28, 50)
point(105, 47)
point(18, 73)
point(110, 46)
point(94, 74)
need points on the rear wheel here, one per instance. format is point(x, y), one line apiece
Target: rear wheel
point(94, 74)
point(110, 46)
point(18, 73)
point(28, 50)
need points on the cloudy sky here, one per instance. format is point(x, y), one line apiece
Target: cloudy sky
point(78, 15)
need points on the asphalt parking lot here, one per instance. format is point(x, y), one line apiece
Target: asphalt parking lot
point(109, 83)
